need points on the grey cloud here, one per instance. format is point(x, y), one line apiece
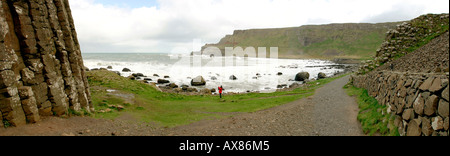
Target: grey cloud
point(399, 12)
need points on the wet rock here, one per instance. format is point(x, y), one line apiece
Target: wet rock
point(163, 81)
point(173, 85)
point(126, 70)
point(232, 77)
point(281, 86)
point(321, 76)
point(302, 76)
point(198, 81)
point(138, 75)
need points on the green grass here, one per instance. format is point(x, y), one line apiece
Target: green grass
point(371, 117)
point(171, 110)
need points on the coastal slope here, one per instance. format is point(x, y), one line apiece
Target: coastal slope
point(329, 41)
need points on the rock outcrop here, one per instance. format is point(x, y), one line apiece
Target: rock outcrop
point(41, 68)
point(408, 37)
point(413, 87)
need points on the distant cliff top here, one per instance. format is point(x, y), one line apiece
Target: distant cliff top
point(350, 40)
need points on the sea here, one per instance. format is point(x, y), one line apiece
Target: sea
point(252, 74)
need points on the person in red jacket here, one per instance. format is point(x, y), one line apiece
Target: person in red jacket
point(220, 91)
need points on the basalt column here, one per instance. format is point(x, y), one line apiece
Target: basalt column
point(41, 68)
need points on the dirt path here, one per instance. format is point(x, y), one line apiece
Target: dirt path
point(329, 112)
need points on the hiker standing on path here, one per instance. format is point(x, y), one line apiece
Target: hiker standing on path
point(220, 91)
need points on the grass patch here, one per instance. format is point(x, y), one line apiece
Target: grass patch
point(373, 117)
point(172, 110)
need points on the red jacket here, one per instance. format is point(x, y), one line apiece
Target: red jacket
point(220, 90)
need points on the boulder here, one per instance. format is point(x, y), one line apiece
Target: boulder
point(213, 90)
point(281, 86)
point(427, 130)
point(162, 81)
point(437, 123)
point(321, 76)
point(109, 67)
point(419, 104)
point(166, 77)
point(173, 85)
point(431, 105)
point(198, 81)
point(232, 77)
point(443, 108)
point(446, 123)
point(302, 76)
point(191, 89)
point(408, 114)
point(279, 73)
point(414, 128)
point(213, 78)
point(1, 120)
point(445, 93)
point(126, 70)
point(205, 91)
point(155, 75)
point(426, 84)
point(138, 75)
point(436, 85)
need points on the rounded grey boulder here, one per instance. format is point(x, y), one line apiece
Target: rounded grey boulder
point(321, 76)
point(198, 81)
point(302, 76)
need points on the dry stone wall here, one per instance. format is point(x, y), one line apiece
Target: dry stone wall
point(41, 68)
point(419, 101)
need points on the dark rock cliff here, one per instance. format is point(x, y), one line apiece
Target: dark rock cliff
point(41, 68)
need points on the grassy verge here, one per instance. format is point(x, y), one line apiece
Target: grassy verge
point(373, 117)
point(166, 109)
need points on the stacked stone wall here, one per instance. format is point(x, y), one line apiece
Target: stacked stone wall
point(418, 101)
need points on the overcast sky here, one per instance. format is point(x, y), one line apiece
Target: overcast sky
point(162, 25)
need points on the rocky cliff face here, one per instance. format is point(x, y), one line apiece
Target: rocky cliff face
point(41, 68)
point(317, 41)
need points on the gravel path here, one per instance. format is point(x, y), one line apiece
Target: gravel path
point(329, 112)
point(335, 113)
